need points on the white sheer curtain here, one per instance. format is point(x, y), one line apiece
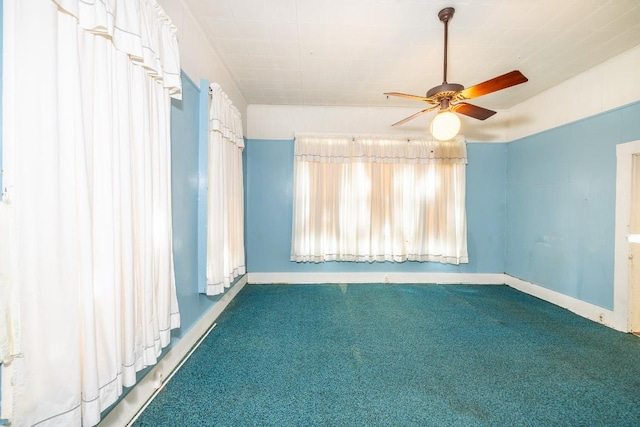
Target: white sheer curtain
point(9, 309)
point(377, 199)
point(87, 103)
point(225, 195)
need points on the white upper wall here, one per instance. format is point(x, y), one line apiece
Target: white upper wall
point(198, 58)
point(284, 121)
point(609, 85)
point(612, 84)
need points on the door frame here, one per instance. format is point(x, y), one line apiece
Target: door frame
point(623, 297)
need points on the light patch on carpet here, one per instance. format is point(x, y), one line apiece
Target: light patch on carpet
point(355, 350)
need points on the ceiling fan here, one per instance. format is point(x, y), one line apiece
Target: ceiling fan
point(450, 97)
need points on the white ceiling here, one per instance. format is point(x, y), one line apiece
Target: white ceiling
point(348, 52)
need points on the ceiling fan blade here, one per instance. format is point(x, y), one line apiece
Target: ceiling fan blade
point(498, 83)
point(419, 113)
point(404, 95)
point(472, 111)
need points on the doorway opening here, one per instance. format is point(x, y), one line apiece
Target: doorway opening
point(627, 252)
point(634, 247)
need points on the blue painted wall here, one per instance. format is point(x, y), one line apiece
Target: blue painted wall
point(269, 204)
point(561, 205)
point(185, 181)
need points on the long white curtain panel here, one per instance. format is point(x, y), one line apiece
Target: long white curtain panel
point(9, 308)
point(87, 131)
point(379, 199)
point(225, 195)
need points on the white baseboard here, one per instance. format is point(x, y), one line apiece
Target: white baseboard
point(579, 307)
point(381, 277)
point(127, 409)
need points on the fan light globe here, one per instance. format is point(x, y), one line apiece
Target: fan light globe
point(445, 125)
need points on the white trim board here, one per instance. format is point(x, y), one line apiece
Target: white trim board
point(127, 409)
point(579, 307)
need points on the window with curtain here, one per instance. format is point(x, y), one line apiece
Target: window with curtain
point(225, 193)
point(86, 128)
point(379, 199)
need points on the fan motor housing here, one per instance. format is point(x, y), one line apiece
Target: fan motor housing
point(445, 87)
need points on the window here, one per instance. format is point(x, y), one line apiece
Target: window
point(376, 199)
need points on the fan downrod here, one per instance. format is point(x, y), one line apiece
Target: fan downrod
point(445, 16)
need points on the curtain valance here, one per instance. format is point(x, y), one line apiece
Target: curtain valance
point(224, 117)
point(140, 28)
point(342, 149)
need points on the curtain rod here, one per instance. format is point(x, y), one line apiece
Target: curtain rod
point(353, 137)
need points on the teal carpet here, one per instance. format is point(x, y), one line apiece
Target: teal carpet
point(402, 355)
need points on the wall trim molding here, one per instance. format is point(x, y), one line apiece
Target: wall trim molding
point(579, 307)
point(128, 408)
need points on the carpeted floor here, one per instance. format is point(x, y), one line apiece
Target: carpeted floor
point(402, 355)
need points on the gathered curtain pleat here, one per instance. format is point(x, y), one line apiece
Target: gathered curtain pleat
point(87, 132)
point(225, 195)
point(373, 199)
